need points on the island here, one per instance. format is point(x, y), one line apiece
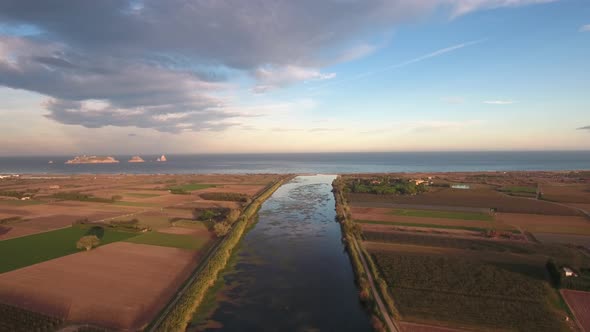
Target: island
point(92, 160)
point(136, 159)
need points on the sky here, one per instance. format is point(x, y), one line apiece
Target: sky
point(233, 76)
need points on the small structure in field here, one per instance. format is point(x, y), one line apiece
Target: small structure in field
point(55, 186)
point(460, 186)
point(26, 198)
point(569, 272)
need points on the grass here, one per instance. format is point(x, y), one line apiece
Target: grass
point(410, 224)
point(125, 203)
point(519, 189)
point(37, 248)
point(141, 195)
point(170, 240)
point(192, 186)
point(14, 202)
point(443, 214)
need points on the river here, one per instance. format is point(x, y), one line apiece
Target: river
point(291, 272)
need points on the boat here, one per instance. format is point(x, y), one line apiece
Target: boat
point(162, 158)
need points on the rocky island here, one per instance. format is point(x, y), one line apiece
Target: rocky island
point(136, 159)
point(92, 160)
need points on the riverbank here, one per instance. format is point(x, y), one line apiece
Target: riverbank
point(178, 313)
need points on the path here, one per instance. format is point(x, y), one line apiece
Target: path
point(391, 325)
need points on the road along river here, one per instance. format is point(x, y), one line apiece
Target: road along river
point(291, 272)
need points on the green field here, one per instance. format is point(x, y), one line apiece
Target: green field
point(37, 248)
point(519, 189)
point(192, 186)
point(170, 240)
point(465, 293)
point(141, 195)
point(410, 224)
point(443, 214)
point(14, 202)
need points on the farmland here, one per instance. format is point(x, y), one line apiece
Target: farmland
point(474, 257)
point(468, 293)
point(579, 303)
point(41, 247)
point(150, 241)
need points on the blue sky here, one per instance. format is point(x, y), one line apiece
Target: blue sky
point(460, 75)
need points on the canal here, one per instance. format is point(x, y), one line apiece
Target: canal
point(291, 272)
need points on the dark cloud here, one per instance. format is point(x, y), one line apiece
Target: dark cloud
point(132, 135)
point(584, 128)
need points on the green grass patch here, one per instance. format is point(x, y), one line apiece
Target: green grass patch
point(141, 195)
point(443, 214)
point(37, 248)
point(518, 189)
point(192, 186)
point(410, 224)
point(14, 202)
point(125, 203)
point(170, 240)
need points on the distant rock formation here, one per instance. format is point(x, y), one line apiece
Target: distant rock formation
point(136, 159)
point(162, 158)
point(92, 160)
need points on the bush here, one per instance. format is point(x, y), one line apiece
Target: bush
point(221, 229)
point(76, 196)
point(88, 242)
point(234, 197)
point(178, 191)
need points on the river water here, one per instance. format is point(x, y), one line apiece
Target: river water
point(291, 272)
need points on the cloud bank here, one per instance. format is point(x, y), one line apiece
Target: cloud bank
point(170, 65)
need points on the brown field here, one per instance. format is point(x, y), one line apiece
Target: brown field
point(385, 214)
point(578, 240)
point(395, 228)
point(475, 198)
point(546, 223)
point(579, 303)
point(567, 193)
point(246, 189)
point(413, 327)
point(120, 285)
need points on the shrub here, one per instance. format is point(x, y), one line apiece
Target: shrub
point(234, 197)
point(88, 242)
point(221, 229)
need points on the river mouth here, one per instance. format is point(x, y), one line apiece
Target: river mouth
point(291, 272)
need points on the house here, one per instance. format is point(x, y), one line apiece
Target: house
point(460, 186)
point(26, 198)
point(569, 272)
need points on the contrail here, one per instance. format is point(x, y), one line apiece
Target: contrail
point(403, 64)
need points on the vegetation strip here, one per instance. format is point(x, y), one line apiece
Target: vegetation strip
point(366, 279)
point(178, 312)
point(443, 214)
point(410, 224)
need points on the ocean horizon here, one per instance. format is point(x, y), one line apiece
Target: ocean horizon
point(326, 163)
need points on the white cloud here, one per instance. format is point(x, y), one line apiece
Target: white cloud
point(462, 7)
point(499, 102)
point(585, 28)
point(272, 78)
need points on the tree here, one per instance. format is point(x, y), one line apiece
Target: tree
point(221, 229)
point(232, 216)
point(115, 198)
point(88, 242)
point(208, 215)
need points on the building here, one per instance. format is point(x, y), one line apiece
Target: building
point(569, 272)
point(460, 186)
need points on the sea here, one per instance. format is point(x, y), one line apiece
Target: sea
point(310, 163)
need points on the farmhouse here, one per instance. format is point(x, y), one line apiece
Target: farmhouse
point(569, 272)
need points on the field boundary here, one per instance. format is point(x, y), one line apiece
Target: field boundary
point(193, 290)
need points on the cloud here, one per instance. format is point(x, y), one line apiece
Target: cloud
point(165, 64)
point(462, 7)
point(584, 128)
point(435, 126)
point(323, 130)
point(499, 102)
point(402, 64)
point(585, 28)
point(132, 135)
point(272, 78)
